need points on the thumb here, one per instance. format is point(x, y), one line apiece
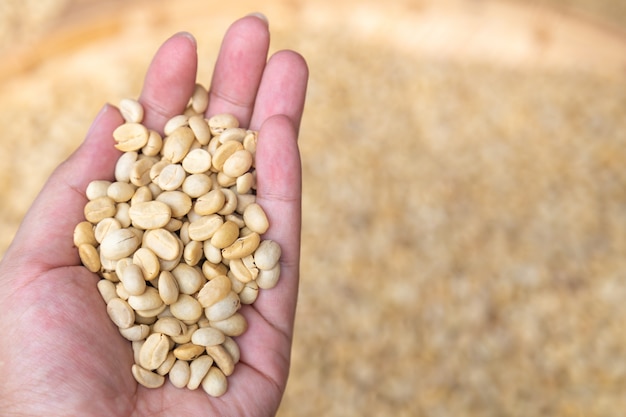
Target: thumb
point(50, 221)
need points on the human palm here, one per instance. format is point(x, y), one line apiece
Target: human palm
point(60, 355)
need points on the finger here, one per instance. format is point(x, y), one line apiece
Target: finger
point(59, 206)
point(239, 68)
point(282, 89)
point(169, 81)
point(279, 190)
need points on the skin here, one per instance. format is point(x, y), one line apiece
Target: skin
point(60, 354)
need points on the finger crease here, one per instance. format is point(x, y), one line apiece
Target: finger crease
point(158, 109)
point(229, 99)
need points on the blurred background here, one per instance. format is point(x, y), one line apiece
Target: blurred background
point(464, 223)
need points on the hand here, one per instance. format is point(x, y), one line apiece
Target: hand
point(60, 355)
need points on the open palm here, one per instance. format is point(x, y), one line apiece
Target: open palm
point(60, 355)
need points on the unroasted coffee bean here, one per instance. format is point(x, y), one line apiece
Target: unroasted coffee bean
point(186, 308)
point(268, 278)
point(121, 191)
point(121, 313)
point(222, 358)
point(235, 325)
point(255, 218)
point(188, 351)
point(170, 326)
point(197, 161)
point(177, 144)
point(99, 208)
point(150, 214)
point(224, 308)
point(130, 136)
point(215, 290)
point(215, 383)
point(148, 262)
point(199, 368)
point(147, 378)
point(210, 203)
point(242, 247)
point(105, 226)
point(267, 255)
point(232, 348)
point(232, 133)
point(119, 244)
point(167, 364)
point(148, 300)
point(98, 188)
point(200, 128)
point(207, 336)
point(186, 336)
point(175, 122)
point(107, 290)
point(180, 373)
point(89, 257)
point(189, 279)
point(132, 110)
point(136, 332)
point(249, 293)
point(163, 243)
point(154, 351)
point(168, 288)
point(133, 280)
point(225, 235)
point(221, 122)
point(179, 202)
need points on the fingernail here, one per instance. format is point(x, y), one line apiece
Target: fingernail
point(188, 36)
point(261, 16)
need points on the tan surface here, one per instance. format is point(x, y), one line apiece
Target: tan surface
point(464, 189)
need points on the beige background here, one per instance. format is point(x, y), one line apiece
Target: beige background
point(464, 225)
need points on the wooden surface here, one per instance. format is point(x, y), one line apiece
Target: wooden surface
point(464, 223)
